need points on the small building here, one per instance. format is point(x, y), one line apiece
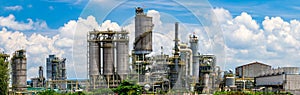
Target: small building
point(251, 70)
point(245, 74)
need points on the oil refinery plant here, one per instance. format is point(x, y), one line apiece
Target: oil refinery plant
point(109, 61)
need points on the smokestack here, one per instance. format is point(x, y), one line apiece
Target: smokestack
point(176, 39)
point(176, 31)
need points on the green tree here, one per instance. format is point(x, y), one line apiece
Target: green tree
point(4, 77)
point(127, 88)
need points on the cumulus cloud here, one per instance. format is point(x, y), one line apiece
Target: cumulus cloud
point(11, 23)
point(246, 41)
point(36, 45)
point(13, 8)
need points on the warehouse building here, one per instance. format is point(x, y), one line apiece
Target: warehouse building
point(281, 79)
point(245, 74)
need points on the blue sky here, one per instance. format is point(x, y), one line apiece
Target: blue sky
point(237, 31)
point(54, 12)
point(287, 9)
point(58, 12)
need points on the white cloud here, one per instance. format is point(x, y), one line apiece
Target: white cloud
point(13, 8)
point(223, 15)
point(11, 23)
point(274, 43)
point(64, 43)
point(36, 45)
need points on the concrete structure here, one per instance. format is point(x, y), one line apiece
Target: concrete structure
point(56, 70)
point(19, 70)
point(251, 70)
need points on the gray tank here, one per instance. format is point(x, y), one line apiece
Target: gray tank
point(122, 58)
point(108, 59)
point(94, 59)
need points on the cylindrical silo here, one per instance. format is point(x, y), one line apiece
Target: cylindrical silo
point(94, 56)
point(122, 58)
point(108, 59)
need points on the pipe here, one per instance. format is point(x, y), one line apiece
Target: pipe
point(191, 59)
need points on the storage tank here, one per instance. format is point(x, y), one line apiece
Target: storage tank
point(108, 59)
point(94, 59)
point(122, 57)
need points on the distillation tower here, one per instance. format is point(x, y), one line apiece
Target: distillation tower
point(18, 67)
point(142, 43)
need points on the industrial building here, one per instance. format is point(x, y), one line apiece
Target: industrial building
point(186, 70)
point(108, 58)
point(56, 71)
point(280, 79)
point(40, 80)
point(251, 70)
point(142, 45)
point(245, 74)
point(210, 74)
point(19, 74)
point(228, 84)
